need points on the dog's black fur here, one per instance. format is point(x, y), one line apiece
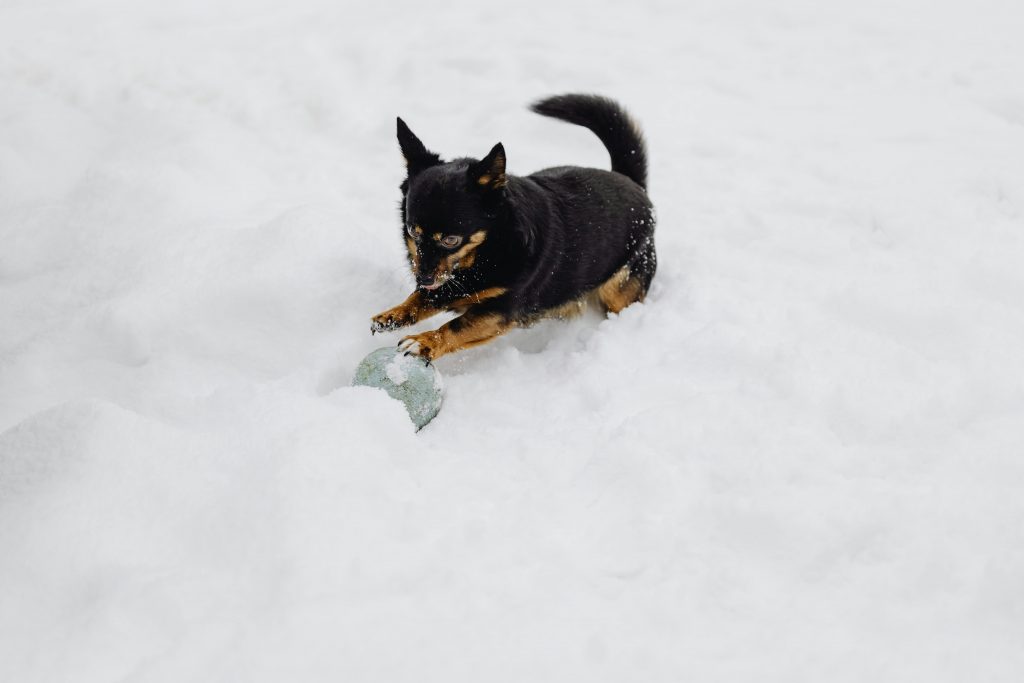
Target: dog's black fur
point(523, 248)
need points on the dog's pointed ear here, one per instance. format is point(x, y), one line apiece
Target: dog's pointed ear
point(417, 156)
point(489, 172)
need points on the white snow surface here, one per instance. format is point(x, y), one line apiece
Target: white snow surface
point(395, 370)
point(801, 459)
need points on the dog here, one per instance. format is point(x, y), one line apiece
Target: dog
point(504, 251)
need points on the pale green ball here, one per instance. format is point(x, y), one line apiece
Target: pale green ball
point(410, 379)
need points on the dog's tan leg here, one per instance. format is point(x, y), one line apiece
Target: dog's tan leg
point(471, 329)
point(416, 308)
point(462, 304)
point(409, 312)
point(621, 290)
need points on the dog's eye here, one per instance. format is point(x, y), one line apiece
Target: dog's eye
point(410, 231)
point(451, 241)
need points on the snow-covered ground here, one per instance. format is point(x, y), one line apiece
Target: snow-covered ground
point(802, 459)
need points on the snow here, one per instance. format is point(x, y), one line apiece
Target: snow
point(800, 459)
point(395, 371)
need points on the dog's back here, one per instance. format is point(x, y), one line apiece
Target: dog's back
point(595, 228)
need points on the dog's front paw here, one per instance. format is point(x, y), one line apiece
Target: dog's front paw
point(392, 319)
point(425, 345)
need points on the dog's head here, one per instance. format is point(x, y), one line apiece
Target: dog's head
point(449, 209)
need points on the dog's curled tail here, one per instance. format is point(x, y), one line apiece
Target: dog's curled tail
point(610, 122)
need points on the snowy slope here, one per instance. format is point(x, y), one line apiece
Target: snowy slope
point(800, 460)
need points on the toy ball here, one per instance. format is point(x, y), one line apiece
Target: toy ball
point(410, 379)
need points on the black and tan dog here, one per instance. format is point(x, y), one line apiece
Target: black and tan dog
point(504, 251)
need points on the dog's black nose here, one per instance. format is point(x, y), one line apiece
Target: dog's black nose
point(430, 283)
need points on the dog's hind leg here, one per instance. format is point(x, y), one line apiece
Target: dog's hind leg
point(629, 284)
